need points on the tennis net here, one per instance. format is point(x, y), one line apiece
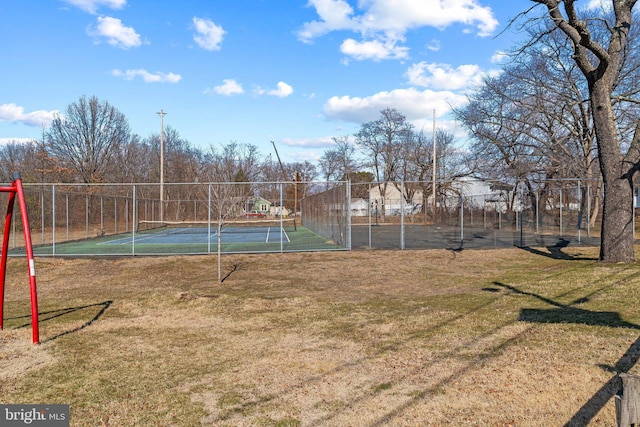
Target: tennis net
point(228, 227)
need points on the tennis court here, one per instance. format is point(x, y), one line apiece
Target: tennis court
point(166, 238)
point(203, 235)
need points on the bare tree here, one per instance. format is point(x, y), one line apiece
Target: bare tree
point(338, 162)
point(87, 137)
point(533, 123)
point(233, 162)
point(601, 64)
point(228, 172)
point(32, 161)
point(382, 141)
point(135, 161)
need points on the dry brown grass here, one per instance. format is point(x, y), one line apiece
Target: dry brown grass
point(402, 338)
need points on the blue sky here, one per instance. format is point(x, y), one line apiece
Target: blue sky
point(297, 72)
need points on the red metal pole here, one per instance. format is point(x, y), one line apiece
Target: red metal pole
point(5, 249)
point(30, 261)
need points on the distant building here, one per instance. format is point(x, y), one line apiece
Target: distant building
point(359, 207)
point(258, 205)
point(393, 201)
point(476, 192)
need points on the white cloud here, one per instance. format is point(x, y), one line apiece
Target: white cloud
point(5, 141)
point(384, 20)
point(92, 6)
point(434, 46)
point(322, 142)
point(443, 76)
point(283, 90)
point(413, 103)
point(334, 15)
point(116, 33)
point(499, 57)
point(599, 5)
point(227, 88)
point(13, 113)
point(376, 50)
point(208, 35)
point(157, 77)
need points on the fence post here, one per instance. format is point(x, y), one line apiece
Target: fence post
point(561, 205)
point(370, 209)
point(589, 210)
point(537, 211)
point(86, 216)
point(66, 213)
point(209, 218)
point(628, 401)
point(53, 219)
point(461, 220)
point(42, 222)
point(579, 212)
point(484, 211)
point(402, 215)
point(135, 222)
point(348, 205)
point(281, 206)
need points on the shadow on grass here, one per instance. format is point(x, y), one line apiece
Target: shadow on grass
point(565, 313)
point(557, 313)
point(556, 251)
point(235, 268)
point(53, 314)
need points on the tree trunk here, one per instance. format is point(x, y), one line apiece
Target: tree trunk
point(617, 222)
point(617, 209)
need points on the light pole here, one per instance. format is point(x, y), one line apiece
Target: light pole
point(161, 114)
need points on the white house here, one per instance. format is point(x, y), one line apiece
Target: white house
point(394, 201)
point(359, 207)
point(476, 192)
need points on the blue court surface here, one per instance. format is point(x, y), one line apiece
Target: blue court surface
point(203, 235)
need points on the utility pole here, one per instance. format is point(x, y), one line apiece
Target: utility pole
point(161, 113)
point(284, 177)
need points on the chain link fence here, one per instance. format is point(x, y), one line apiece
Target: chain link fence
point(471, 213)
point(203, 218)
point(193, 218)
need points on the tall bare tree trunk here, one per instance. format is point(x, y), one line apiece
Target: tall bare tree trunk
point(617, 210)
point(601, 66)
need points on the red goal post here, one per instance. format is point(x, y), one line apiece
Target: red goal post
point(15, 190)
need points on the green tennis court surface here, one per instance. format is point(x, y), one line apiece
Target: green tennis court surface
point(194, 240)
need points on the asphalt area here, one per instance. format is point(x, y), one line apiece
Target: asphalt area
point(390, 236)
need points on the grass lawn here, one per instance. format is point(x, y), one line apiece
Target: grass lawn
point(503, 337)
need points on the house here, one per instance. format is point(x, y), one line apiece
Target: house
point(359, 207)
point(476, 192)
point(258, 206)
point(275, 211)
point(393, 201)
